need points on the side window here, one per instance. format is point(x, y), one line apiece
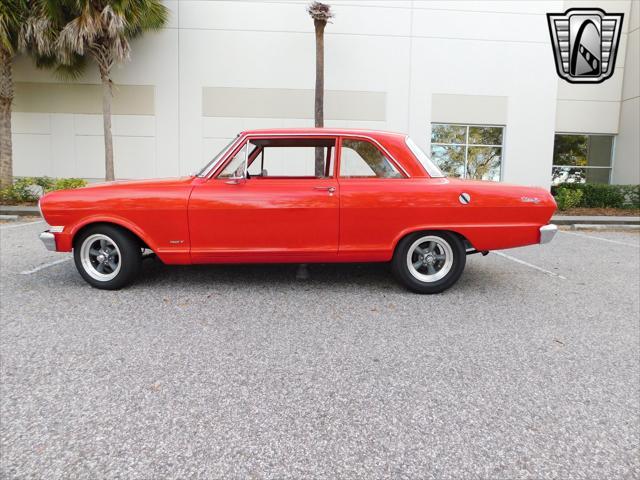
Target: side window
point(235, 168)
point(362, 159)
point(292, 157)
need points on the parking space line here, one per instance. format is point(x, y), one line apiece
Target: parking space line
point(44, 265)
point(530, 265)
point(7, 227)
point(602, 239)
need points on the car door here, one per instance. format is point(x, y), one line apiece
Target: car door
point(377, 200)
point(268, 205)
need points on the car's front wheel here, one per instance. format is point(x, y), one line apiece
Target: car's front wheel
point(429, 262)
point(107, 257)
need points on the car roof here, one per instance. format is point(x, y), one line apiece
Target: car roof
point(324, 131)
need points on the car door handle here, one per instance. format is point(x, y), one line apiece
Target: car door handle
point(328, 189)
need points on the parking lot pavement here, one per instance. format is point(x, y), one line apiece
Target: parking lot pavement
point(246, 372)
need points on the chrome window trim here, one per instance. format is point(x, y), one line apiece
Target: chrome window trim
point(249, 136)
point(223, 157)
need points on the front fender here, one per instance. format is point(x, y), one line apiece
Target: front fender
point(64, 239)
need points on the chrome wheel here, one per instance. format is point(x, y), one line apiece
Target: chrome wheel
point(429, 258)
point(100, 257)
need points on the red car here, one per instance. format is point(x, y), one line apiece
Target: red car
point(299, 196)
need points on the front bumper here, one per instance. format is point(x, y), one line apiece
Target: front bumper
point(49, 240)
point(547, 233)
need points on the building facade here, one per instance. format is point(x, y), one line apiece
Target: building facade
point(473, 82)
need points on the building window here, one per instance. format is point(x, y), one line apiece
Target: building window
point(581, 158)
point(468, 151)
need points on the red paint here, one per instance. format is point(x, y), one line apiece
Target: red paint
point(207, 220)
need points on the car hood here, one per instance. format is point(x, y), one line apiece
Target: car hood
point(119, 194)
point(156, 182)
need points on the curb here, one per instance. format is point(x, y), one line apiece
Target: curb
point(24, 210)
point(594, 220)
point(604, 226)
point(9, 218)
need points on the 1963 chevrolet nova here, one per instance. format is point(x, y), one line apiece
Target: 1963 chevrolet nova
point(299, 196)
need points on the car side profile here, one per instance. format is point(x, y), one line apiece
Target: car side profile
point(299, 196)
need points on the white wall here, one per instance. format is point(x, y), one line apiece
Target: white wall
point(409, 51)
point(610, 107)
point(626, 168)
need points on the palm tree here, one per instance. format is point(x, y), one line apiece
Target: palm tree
point(12, 17)
point(25, 26)
point(321, 14)
point(101, 30)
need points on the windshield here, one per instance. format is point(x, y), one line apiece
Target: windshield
point(423, 158)
point(210, 166)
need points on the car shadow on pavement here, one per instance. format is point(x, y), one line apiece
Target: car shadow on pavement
point(337, 275)
point(376, 275)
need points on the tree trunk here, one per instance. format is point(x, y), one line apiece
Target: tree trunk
point(6, 98)
point(106, 119)
point(319, 103)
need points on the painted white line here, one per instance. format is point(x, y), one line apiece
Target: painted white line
point(7, 227)
point(530, 265)
point(44, 265)
point(602, 239)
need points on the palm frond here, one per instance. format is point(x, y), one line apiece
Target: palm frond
point(12, 14)
point(72, 70)
point(143, 15)
point(320, 12)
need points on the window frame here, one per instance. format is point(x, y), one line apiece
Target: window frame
point(466, 145)
point(248, 138)
point(215, 169)
point(385, 153)
point(611, 158)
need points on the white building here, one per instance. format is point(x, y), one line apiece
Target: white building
point(220, 67)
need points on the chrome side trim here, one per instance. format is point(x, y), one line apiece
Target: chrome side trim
point(49, 240)
point(547, 233)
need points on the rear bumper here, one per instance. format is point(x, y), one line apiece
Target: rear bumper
point(547, 233)
point(49, 240)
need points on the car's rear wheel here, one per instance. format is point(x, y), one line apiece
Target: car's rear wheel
point(429, 262)
point(107, 257)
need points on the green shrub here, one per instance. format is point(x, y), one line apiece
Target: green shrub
point(45, 183)
point(21, 191)
point(29, 189)
point(631, 195)
point(602, 195)
point(567, 198)
point(68, 183)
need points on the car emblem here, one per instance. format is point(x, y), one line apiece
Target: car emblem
point(464, 198)
point(585, 43)
point(530, 199)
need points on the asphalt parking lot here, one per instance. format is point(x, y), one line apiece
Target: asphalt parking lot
point(522, 370)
